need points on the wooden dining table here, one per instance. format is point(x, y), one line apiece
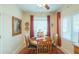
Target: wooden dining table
point(43, 45)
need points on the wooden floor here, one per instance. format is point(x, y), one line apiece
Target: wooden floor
point(54, 51)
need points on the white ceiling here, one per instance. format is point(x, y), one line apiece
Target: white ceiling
point(36, 8)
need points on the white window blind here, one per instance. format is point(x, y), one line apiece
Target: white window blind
point(70, 28)
point(76, 28)
point(66, 28)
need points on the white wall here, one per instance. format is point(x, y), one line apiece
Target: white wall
point(68, 10)
point(9, 43)
point(0, 27)
point(0, 24)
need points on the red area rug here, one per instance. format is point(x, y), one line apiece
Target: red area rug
point(54, 51)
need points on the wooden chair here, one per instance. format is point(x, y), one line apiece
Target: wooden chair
point(31, 48)
point(39, 46)
point(44, 46)
point(49, 45)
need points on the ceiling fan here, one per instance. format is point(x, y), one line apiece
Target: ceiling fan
point(44, 6)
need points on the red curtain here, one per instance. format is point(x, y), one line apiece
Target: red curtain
point(58, 29)
point(48, 25)
point(31, 26)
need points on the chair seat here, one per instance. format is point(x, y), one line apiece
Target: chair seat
point(53, 46)
point(33, 49)
point(32, 46)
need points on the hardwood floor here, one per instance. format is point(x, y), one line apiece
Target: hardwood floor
point(54, 51)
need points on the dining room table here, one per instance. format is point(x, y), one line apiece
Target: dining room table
point(44, 45)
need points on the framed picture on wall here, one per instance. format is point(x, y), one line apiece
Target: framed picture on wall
point(16, 26)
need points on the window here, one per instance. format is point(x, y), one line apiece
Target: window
point(70, 28)
point(40, 25)
point(76, 28)
point(66, 28)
